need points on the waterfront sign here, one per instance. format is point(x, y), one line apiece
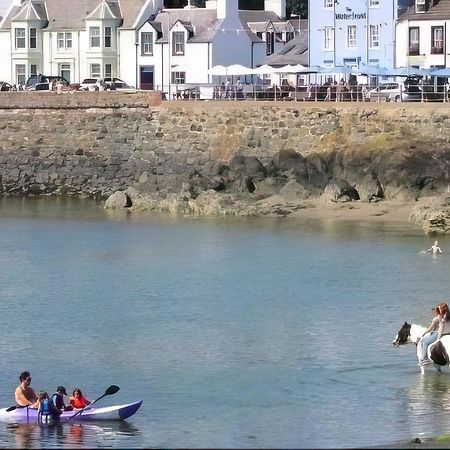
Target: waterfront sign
point(351, 16)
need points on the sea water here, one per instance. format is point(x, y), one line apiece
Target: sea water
point(235, 332)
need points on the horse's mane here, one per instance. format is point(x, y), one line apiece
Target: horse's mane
point(416, 332)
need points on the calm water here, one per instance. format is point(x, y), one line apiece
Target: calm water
point(234, 332)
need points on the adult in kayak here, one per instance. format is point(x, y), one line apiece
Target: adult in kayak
point(24, 393)
point(78, 400)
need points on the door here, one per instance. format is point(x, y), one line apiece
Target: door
point(64, 71)
point(146, 77)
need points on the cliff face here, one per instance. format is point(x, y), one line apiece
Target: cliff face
point(238, 153)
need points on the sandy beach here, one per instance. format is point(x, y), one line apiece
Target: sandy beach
point(383, 211)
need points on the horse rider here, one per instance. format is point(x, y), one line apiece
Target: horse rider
point(429, 336)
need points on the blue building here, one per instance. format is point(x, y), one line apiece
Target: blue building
point(352, 32)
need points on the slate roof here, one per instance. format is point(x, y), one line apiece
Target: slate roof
point(439, 11)
point(293, 52)
point(70, 14)
point(203, 20)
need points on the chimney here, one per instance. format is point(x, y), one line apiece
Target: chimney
point(227, 9)
point(276, 6)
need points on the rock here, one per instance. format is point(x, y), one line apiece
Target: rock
point(433, 215)
point(118, 200)
point(340, 190)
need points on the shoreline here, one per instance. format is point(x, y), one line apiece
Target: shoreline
point(383, 211)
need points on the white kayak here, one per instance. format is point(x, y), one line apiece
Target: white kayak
point(116, 412)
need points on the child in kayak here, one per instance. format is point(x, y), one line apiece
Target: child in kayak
point(47, 408)
point(78, 400)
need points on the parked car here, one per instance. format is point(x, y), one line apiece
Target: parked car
point(396, 92)
point(42, 82)
point(89, 84)
point(4, 86)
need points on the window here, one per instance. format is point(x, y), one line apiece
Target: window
point(147, 43)
point(20, 38)
point(374, 41)
point(374, 3)
point(64, 40)
point(94, 70)
point(20, 73)
point(33, 69)
point(108, 70)
point(94, 36)
point(289, 36)
point(351, 36)
point(437, 40)
point(32, 37)
point(270, 42)
point(177, 43)
point(107, 37)
point(329, 38)
point(178, 77)
point(328, 3)
point(414, 40)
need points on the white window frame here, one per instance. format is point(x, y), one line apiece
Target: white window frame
point(95, 70)
point(328, 43)
point(351, 36)
point(177, 43)
point(147, 43)
point(20, 38)
point(94, 37)
point(21, 73)
point(107, 38)
point(32, 37)
point(374, 36)
point(64, 40)
point(108, 70)
point(178, 77)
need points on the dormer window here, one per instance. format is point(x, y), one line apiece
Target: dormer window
point(94, 37)
point(20, 38)
point(177, 43)
point(147, 43)
point(32, 38)
point(421, 6)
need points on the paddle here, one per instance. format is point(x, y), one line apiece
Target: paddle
point(110, 391)
point(14, 407)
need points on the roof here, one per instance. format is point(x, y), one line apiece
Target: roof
point(439, 11)
point(203, 20)
point(293, 52)
point(71, 14)
point(31, 10)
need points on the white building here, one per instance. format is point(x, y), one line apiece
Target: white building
point(75, 39)
point(421, 35)
point(188, 42)
point(136, 40)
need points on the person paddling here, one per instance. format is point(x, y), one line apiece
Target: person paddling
point(24, 393)
point(435, 249)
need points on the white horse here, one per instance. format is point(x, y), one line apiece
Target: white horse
point(438, 351)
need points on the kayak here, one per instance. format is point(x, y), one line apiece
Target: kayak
point(117, 412)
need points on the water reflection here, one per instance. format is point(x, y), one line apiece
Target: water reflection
point(70, 435)
point(428, 404)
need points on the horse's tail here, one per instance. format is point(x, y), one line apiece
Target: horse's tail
point(439, 354)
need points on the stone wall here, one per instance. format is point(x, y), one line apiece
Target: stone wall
point(59, 146)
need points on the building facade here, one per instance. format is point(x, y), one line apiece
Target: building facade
point(421, 35)
point(136, 40)
point(352, 32)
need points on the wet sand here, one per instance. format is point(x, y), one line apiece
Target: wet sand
point(383, 211)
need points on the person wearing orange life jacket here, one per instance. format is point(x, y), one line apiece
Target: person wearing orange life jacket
point(78, 400)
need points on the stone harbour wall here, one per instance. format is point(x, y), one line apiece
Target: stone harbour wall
point(247, 149)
